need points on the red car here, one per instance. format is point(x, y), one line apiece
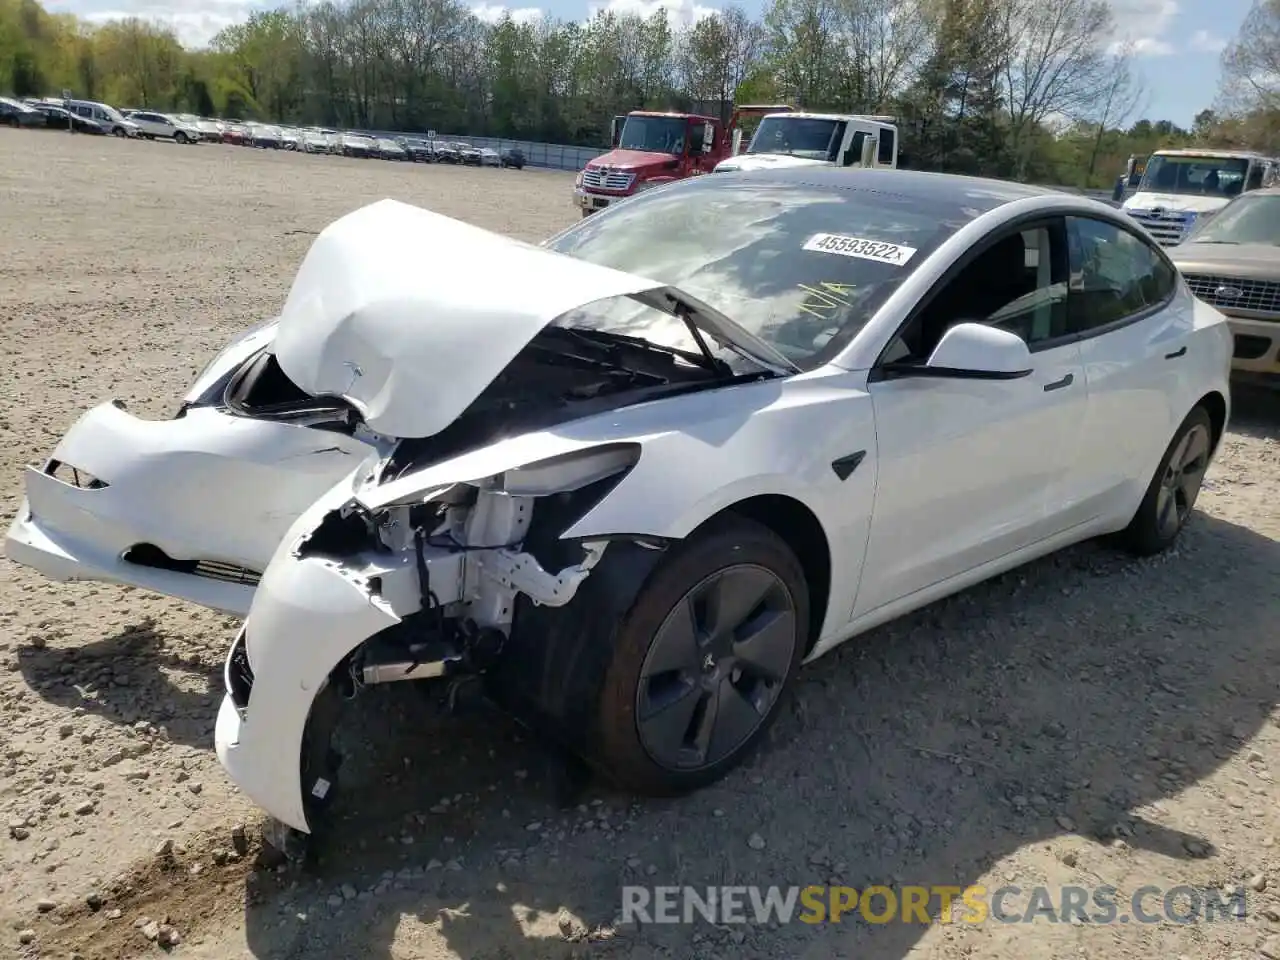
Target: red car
point(235, 133)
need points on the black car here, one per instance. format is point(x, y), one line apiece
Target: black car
point(513, 158)
point(447, 153)
point(469, 155)
point(16, 114)
point(267, 138)
point(419, 151)
point(55, 118)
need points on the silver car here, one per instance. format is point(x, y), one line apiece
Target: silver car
point(1232, 261)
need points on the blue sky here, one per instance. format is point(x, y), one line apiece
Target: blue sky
point(1177, 43)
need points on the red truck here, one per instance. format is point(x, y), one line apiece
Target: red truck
point(651, 148)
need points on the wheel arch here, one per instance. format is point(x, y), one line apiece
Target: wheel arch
point(798, 526)
point(1215, 404)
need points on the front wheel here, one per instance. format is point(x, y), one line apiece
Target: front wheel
point(119, 132)
point(1172, 492)
point(703, 659)
point(181, 137)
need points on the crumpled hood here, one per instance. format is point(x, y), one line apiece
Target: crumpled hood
point(767, 161)
point(409, 315)
point(1175, 201)
point(631, 160)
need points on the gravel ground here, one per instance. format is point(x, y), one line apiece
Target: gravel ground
point(1087, 720)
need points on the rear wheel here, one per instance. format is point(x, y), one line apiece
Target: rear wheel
point(1173, 490)
point(703, 660)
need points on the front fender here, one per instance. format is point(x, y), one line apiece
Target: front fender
point(307, 615)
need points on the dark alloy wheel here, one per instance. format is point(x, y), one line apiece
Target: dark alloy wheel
point(703, 660)
point(715, 668)
point(1173, 490)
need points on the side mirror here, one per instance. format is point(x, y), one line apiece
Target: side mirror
point(975, 351)
point(708, 137)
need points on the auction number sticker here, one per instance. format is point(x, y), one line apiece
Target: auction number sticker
point(860, 248)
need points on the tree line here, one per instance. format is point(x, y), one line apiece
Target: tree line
point(1032, 89)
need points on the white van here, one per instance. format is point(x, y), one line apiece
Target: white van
point(111, 119)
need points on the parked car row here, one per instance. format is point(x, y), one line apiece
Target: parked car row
point(85, 116)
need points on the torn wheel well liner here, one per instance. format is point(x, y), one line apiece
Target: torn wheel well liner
point(552, 669)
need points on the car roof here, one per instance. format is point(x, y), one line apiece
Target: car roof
point(1213, 154)
point(947, 189)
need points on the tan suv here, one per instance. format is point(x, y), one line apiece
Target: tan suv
point(1232, 262)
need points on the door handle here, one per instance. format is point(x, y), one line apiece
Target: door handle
point(1059, 384)
point(1180, 352)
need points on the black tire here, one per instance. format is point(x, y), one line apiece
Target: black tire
point(1152, 529)
point(728, 547)
point(181, 137)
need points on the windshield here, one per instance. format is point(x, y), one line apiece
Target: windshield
point(740, 247)
point(799, 136)
point(1202, 176)
point(653, 134)
point(1254, 218)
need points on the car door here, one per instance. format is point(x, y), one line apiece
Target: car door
point(969, 470)
point(1134, 335)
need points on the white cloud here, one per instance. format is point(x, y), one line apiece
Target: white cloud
point(680, 13)
point(1207, 42)
point(492, 13)
point(1141, 26)
point(194, 21)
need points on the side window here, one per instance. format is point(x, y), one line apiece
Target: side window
point(1114, 275)
point(1018, 282)
point(887, 140)
point(85, 111)
point(853, 156)
point(1255, 177)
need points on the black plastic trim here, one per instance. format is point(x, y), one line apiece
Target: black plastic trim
point(890, 371)
point(845, 466)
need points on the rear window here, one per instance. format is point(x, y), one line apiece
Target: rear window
point(800, 266)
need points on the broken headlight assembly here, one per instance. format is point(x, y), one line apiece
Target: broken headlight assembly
point(238, 349)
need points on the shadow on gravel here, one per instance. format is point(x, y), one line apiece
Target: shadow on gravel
point(127, 678)
point(1078, 691)
point(1255, 412)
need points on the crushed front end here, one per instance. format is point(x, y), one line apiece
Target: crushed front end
point(425, 589)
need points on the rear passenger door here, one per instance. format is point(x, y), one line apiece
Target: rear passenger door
point(1134, 338)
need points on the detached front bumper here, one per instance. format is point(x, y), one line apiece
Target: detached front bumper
point(213, 492)
point(308, 614)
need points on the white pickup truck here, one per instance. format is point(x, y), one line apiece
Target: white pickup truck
point(825, 139)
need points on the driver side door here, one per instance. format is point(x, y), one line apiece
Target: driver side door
point(969, 469)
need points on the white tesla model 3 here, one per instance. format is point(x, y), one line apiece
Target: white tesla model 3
point(632, 478)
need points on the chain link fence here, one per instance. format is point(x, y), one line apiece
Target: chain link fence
point(558, 156)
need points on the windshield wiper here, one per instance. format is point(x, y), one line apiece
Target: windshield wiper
point(1234, 243)
point(610, 342)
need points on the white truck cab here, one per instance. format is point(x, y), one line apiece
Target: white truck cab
point(816, 139)
point(1180, 188)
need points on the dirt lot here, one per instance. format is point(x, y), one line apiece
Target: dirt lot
point(1088, 720)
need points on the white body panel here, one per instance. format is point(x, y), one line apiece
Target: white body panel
point(1191, 202)
point(958, 478)
point(766, 161)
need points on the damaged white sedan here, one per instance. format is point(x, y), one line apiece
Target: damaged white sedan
point(632, 478)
